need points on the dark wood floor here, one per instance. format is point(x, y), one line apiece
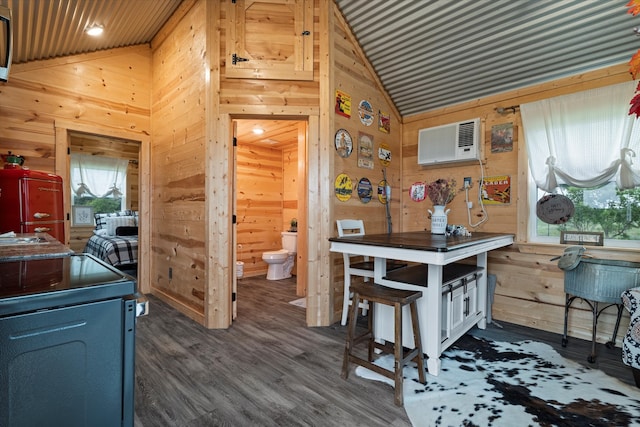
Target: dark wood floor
point(269, 369)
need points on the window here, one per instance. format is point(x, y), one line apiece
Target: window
point(583, 146)
point(99, 182)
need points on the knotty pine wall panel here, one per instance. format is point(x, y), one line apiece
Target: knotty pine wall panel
point(109, 89)
point(353, 77)
point(530, 287)
point(289, 185)
point(177, 165)
point(259, 204)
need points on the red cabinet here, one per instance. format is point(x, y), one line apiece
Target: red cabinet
point(31, 202)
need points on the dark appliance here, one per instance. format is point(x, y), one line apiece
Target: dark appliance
point(67, 343)
point(6, 42)
point(32, 202)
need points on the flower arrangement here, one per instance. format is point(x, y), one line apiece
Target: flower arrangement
point(441, 191)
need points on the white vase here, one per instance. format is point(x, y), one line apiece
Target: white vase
point(438, 219)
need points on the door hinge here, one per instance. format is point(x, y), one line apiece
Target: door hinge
point(233, 219)
point(235, 59)
point(69, 150)
point(233, 297)
point(235, 141)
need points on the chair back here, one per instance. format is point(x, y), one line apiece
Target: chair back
point(352, 227)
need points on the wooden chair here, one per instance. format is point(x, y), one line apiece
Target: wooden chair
point(364, 268)
point(397, 298)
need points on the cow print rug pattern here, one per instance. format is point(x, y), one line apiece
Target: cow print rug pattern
point(527, 383)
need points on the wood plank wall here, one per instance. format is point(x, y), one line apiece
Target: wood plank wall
point(530, 288)
point(103, 90)
point(178, 164)
point(260, 172)
point(353, 76)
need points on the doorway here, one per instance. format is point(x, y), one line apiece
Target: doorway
point(270, 182)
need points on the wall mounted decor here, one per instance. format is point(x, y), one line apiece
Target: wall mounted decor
point(343, 187)
point(384, 122)
point(384, 154)
point(365, 111)
point(418, 191)
point(496, 190)
point(382, 192)
point(502, 138)
point(365, 190)
point(343, 143)
point(365, 150)
point(343, 104)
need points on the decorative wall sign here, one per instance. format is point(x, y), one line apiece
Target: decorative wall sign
point(343, 104)
point(343, 143)
point(365, 190)
point(418, 191)
point(384, 154)
point(384, 122)
point(496, 190)
point(502, 138)
point(365, 150)
point(365, 111)
point(554, 209)
point(592, 238)
point(82, 216)
point(382, 192)
point(343, 187)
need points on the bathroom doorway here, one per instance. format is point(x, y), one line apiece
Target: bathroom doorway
point(270, 178)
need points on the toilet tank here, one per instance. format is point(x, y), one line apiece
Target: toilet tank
point(290, 241)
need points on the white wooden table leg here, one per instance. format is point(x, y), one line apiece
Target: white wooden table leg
point(430, 321)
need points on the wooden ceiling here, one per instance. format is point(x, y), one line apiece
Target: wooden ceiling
point(277, 133)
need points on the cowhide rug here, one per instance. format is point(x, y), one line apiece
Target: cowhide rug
point(484, 383)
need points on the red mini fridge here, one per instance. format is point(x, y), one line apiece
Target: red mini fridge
point(31, 202)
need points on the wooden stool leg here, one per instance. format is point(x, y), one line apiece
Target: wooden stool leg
point(351, 333)
point(370, 331)
point(398, 354)
point(417, 339)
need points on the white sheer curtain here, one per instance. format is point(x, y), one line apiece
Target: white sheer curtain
point(584, 139)
point(98, 176)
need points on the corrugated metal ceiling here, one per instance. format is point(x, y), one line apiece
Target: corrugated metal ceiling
point(45, 29)
point(429, 54)
point(433, 54)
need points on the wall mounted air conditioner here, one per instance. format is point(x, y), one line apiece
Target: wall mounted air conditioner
point(455, 142)
point(6, 42)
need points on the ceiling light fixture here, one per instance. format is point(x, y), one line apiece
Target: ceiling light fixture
point(258, 131)
point(94, 30)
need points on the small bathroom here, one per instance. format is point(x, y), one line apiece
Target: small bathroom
point(267, 188)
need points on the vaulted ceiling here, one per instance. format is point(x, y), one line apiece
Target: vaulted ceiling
point(428, 54)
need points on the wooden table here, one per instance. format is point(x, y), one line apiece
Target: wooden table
point(436, 255)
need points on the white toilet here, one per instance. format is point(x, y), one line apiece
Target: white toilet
point(281, 261)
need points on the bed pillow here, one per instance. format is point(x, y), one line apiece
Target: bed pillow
point(101, 218)
point(126, 231)
point(113, 222)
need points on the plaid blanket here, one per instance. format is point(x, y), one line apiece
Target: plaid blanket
point(117, 251)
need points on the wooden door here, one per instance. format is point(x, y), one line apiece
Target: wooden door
point(270, 39)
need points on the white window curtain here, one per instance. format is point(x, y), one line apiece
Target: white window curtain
point(98, 176)
point(584, 139)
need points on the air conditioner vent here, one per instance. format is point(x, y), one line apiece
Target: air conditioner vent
point(465, 134)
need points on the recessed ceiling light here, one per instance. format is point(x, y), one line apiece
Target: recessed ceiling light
point(94, 30)
point(258, 131)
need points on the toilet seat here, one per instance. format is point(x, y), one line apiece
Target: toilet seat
point(275, 255)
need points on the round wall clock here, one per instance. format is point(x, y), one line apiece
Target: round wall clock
point(343, 143)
